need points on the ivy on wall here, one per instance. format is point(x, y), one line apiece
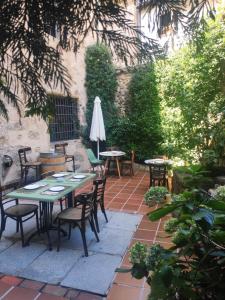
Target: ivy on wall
point(100, 81)
point(140, 128)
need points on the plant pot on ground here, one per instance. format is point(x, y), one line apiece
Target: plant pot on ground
point(156, 195)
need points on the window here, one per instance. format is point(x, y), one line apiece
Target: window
point(65, 123)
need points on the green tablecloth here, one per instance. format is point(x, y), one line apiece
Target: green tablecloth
point(40, 194)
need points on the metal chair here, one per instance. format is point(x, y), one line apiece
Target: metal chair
point(78, 216)
point(25, 165)
point(128, 163)
point(99, 190)
point(158, 174)
point(93, 160)
point(61, 148)
point(16, 211)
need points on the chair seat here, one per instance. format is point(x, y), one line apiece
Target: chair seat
point(97, 162)
point(72, 214)
point(21, 210)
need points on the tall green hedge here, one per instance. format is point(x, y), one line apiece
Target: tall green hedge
point(100, 81)
point(140, 128)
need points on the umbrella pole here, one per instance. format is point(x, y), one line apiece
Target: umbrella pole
point(98, 148)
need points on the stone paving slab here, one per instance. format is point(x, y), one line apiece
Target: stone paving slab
point(124, 221)
point(52, 266)
point(69, 267)
point(112, 241)
point(94, 273)
point(15, 258)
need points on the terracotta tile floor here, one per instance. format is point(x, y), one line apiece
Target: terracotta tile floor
point(123, 194)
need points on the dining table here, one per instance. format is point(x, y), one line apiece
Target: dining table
point(47, 192)
point(158, 161)
point(112, 156)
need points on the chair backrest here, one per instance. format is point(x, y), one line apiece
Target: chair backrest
point(4, 190)
point(132, 154)
point(99, 189)
point(22, 154)
point(112, 148)
point(157, 171)
point(61, 148)
point(87, 202)
point(91, 155)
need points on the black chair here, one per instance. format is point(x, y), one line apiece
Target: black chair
point(18, 212)
point(61, 148)
point(158, 175)
point(25, 165)
point(78, 216)
point(99, 190)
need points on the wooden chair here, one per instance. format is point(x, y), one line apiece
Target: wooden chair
point(25, 165)
point(78, 216)
point(18, 212)
point(93, 160)
point(61, 148)
point(99, 190)
point(158, 175)
point(129, 164)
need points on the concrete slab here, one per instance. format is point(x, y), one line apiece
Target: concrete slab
point(52, 266)
point(125, 221)
point(15, 258)
point(94, 273)
point(5, 243)
point(112, 241)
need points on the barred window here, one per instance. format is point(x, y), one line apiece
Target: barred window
point(65, 123)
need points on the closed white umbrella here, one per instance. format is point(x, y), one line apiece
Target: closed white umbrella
point(97, 125)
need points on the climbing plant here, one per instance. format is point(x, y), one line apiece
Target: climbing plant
point(140, 128)
point(100, 81)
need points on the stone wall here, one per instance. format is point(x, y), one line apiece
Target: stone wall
point(123, 78)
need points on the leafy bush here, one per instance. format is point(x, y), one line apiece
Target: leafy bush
point(100, 81)
point(156, 194)
point(194, 268)
point(191, 88)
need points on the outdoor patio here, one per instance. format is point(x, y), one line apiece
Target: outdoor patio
point(35, 273)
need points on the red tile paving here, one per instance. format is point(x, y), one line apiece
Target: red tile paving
point(125, 194)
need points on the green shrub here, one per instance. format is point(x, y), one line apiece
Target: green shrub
point(156, 194)
point(191, 89)
point(220, 193)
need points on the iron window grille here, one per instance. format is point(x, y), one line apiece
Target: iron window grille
point(65, 123)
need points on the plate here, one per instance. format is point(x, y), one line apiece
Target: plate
point(57, 188)
point(79, 176)
point(57, 175)
point(31, 186)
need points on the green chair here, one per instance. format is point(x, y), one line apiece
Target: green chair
point(93, 160)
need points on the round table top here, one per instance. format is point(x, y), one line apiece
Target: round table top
point(158, 161)
point(112, 153)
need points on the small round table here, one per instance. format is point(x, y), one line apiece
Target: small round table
point(158, 161)
point(112, 155)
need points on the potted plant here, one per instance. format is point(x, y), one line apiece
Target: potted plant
point(156, 194)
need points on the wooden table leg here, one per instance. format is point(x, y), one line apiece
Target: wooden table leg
point(106, 166)
point(118, 166)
